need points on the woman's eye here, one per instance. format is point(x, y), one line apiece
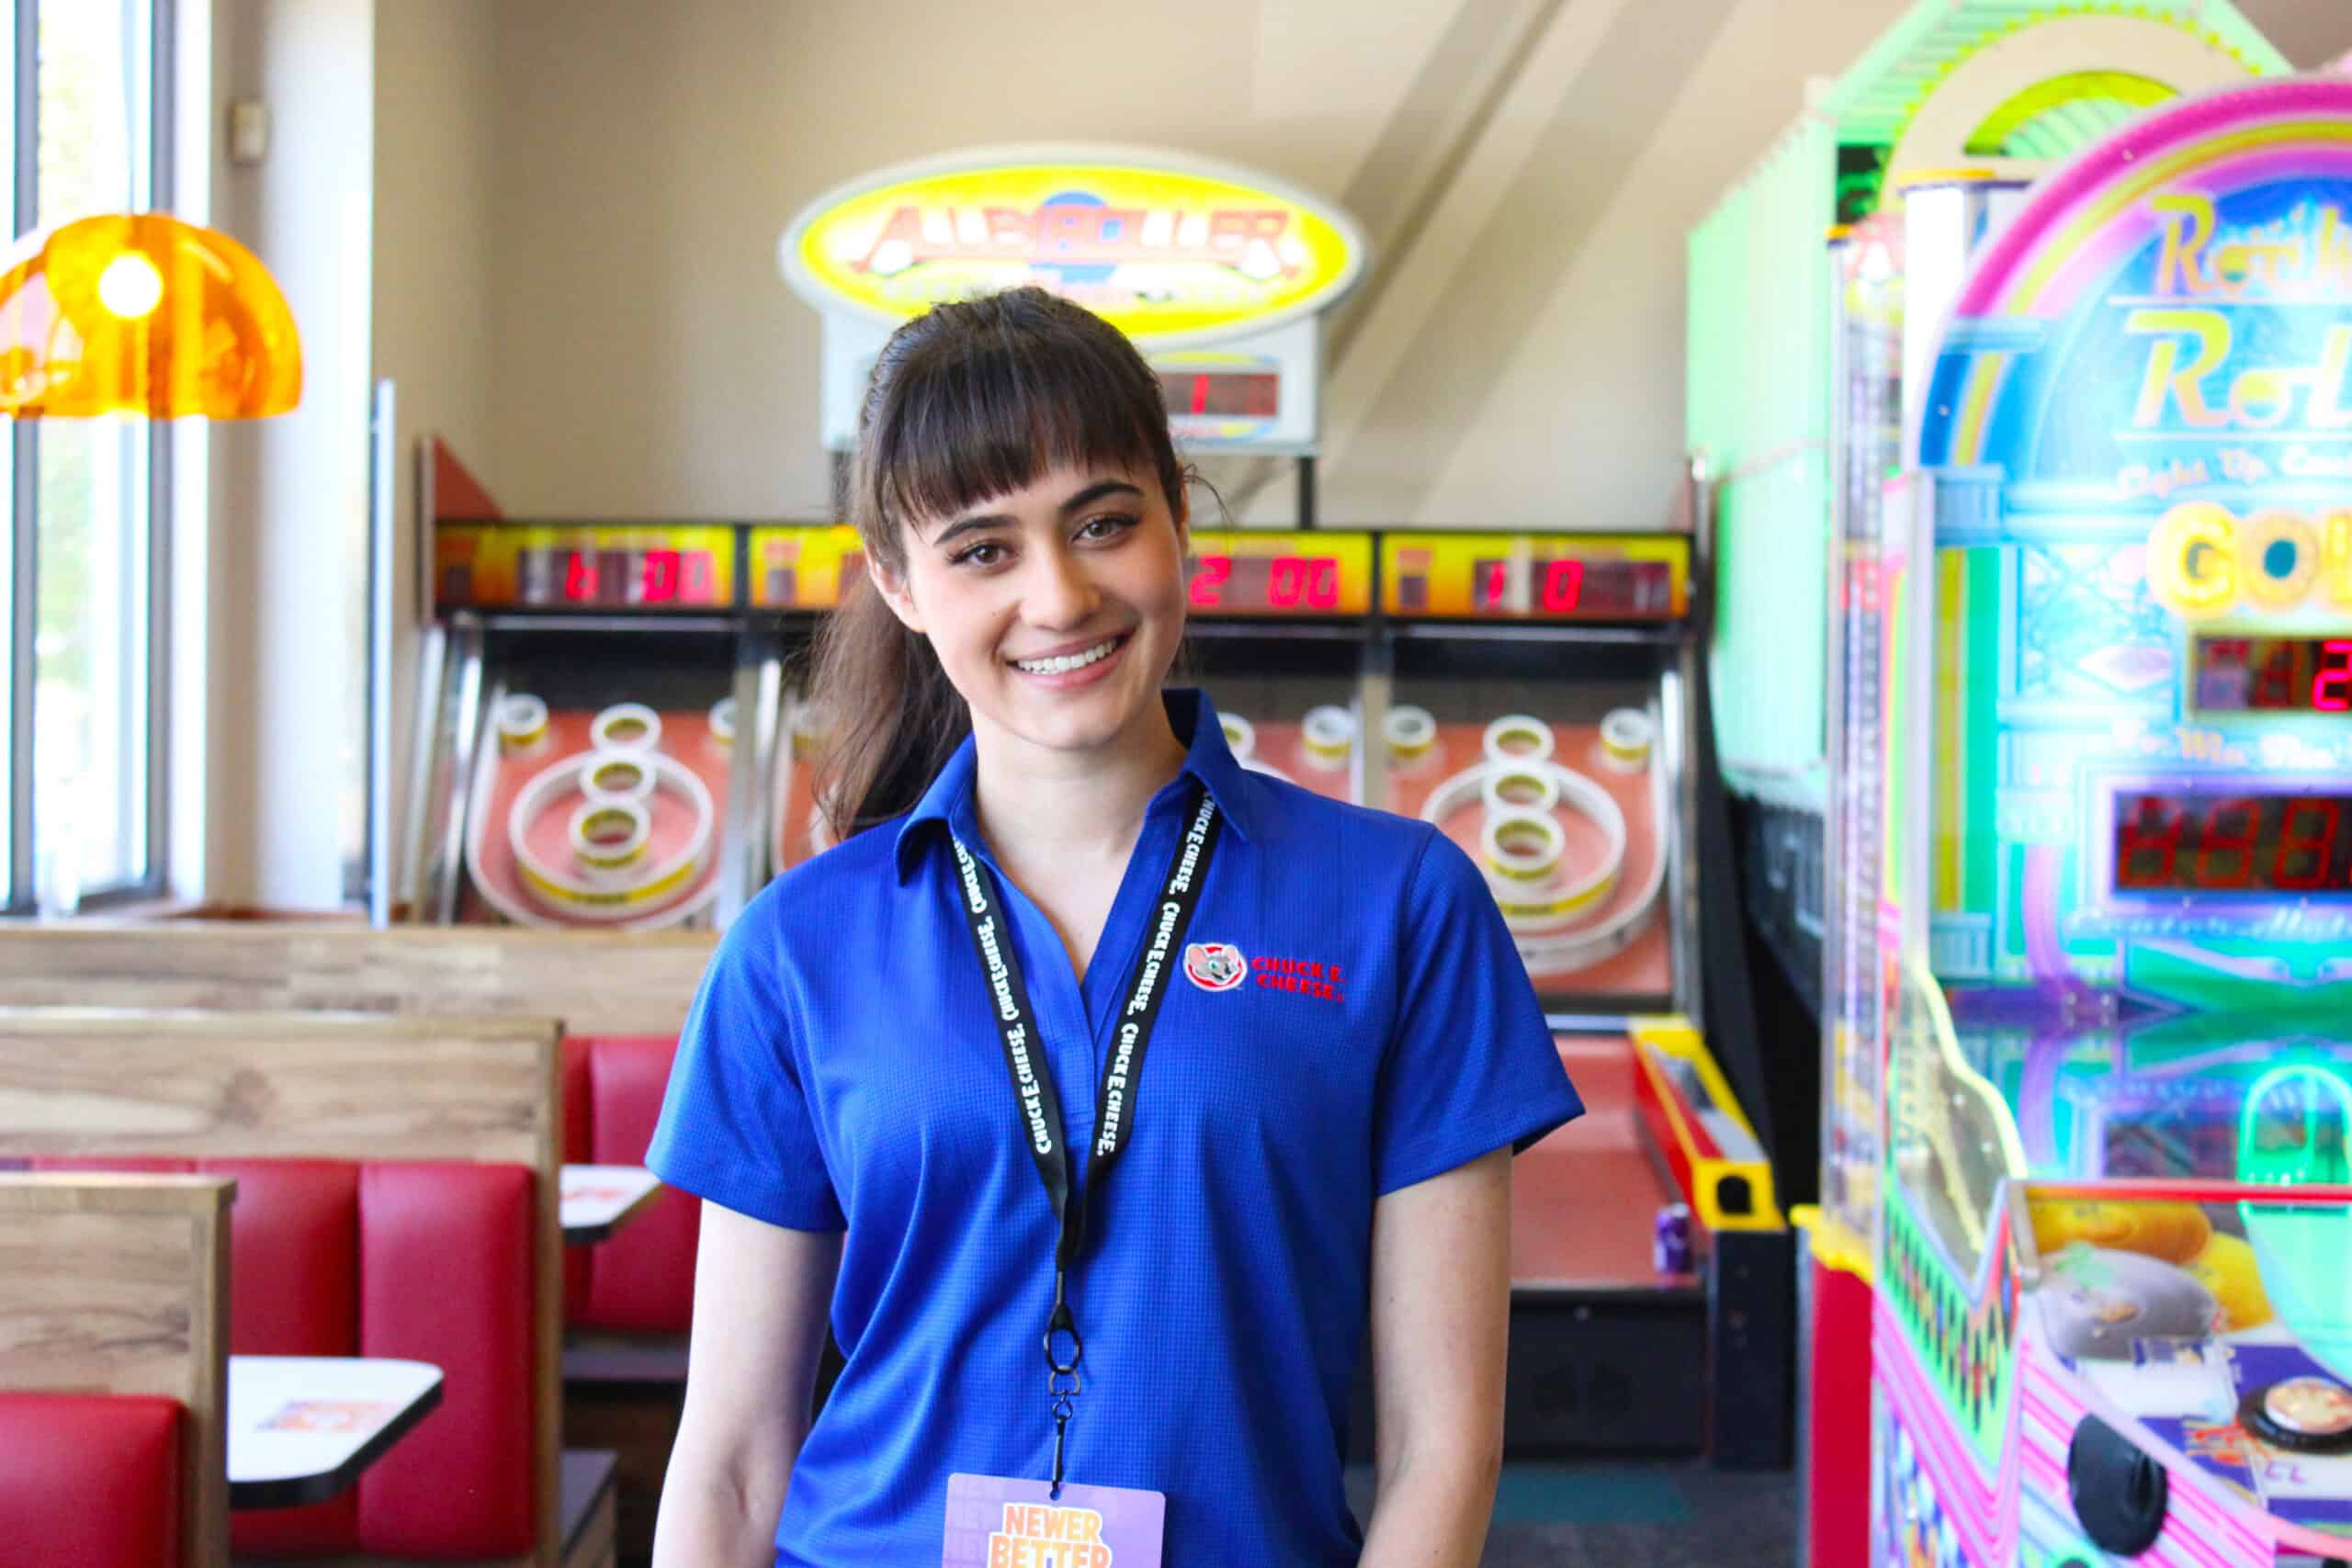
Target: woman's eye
point(1106, 527)
point(984, 554)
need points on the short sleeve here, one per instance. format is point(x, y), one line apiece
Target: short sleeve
point(1471, 1066)
point(736, 1125)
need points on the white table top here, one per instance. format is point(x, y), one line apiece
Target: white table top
point(600, 1198)
point(302, 1428)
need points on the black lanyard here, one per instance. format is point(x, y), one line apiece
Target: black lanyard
point(1033, 1083)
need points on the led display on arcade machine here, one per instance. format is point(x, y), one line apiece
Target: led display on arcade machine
point(1275, 631)
point(2254, 840)
point(586, 724)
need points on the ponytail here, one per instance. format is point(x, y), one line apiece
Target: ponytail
point(969, 400)
point(890, 719)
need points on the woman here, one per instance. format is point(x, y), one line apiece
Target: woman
point(918, 1059)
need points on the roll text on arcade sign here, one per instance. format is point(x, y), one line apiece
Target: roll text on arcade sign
point(1172, 250)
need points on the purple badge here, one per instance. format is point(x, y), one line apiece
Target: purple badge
point(997, 1522)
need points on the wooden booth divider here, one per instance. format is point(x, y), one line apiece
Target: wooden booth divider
point(127, 1083)
point(118, 1286)
point(622, 997)
point(598, 983)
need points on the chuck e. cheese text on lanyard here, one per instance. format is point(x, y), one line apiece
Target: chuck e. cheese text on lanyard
point(1033, 1085)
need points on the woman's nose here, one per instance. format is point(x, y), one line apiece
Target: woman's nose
point(1059, 592)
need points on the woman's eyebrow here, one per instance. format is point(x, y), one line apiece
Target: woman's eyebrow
point(1078, 503)
point(1096, 492)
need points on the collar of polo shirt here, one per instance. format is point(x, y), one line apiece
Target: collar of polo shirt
point(947, 804)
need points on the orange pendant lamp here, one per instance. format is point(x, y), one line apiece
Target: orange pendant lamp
point(143, 315)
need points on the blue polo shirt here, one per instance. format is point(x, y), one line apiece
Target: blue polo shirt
point(842, 1069)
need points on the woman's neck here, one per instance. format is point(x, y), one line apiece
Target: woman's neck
point(1038, 806)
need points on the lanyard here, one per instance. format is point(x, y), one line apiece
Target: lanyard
point(1032, 1085)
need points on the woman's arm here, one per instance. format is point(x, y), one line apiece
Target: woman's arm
point(760, 1302)
point(1440, 1317)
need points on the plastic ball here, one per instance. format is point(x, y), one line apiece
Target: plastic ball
point(2174, 1232)
point(2226, 1267)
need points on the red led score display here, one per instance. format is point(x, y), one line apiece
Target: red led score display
point(2296, 844)
point(1561, 577)
point(1252, 394)
point(2270, 674)
point(1568, 587)
point(617, 578)
point(1278, 583)
point(1280, 574)
point(609, 567)
point(614, 579)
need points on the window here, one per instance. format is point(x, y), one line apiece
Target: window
point(84, 558)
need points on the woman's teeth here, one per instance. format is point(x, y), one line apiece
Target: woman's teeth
point(1067, 662)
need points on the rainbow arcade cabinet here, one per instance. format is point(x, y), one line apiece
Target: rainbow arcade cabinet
point(2113, 1299)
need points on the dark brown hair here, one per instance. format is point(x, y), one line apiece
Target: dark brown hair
point(969, 400)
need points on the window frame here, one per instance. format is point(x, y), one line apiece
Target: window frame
point(19, 889)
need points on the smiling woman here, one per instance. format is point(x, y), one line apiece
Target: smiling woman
point(1301, 1162)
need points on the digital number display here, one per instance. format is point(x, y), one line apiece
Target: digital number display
point(2298, 844)
point(1287, 584)
point(2270, 674)
point(1571, 588)
point(1252, 394)
point(616, 579)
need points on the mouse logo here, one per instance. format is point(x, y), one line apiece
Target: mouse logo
point(1215, 966)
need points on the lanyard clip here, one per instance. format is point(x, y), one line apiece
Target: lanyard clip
point(1062, 1322)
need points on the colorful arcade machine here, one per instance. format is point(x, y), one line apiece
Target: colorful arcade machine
point(2113, 1311)
point(1797, 393)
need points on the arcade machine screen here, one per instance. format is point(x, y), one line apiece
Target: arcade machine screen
point(590, 710)
point(1275, 634)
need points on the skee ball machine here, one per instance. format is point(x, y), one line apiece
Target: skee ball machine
point(1537, 697)
point(595, 703)
point(2113, 1308)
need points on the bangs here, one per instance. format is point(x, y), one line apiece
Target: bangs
point(993, 412)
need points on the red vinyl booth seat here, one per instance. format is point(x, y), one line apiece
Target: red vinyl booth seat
point(426, 1260)
point(643, 1280)
point(90, 1480)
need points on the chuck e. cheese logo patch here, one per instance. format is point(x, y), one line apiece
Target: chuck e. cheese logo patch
point(1221, 966)
point(1215, 966)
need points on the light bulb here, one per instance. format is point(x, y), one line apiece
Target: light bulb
point(131, 287)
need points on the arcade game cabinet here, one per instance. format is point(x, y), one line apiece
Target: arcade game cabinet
point(2113, 1262)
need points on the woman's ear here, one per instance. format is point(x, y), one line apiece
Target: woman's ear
point(893, 589)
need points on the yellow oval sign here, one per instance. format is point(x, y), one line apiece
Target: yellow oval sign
point(1169, 250)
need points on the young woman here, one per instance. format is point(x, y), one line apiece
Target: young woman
point(1084, 1034)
